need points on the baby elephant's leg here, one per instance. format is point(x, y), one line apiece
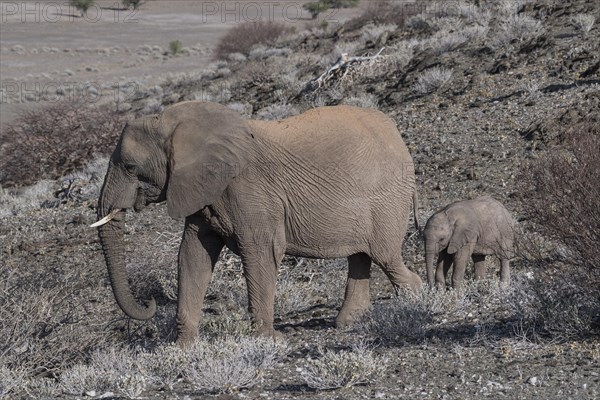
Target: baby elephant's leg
point(479, 264)
point(504, 271)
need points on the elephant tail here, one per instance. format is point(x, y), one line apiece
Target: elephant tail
point(416, 210)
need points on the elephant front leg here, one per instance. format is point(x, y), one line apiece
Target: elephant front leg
point(357, 298)
point(198, 253)
point(443, 266)
point(261, 280)
point(461, 259)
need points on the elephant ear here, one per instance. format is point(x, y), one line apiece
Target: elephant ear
point(464, 232)
point(210, 144)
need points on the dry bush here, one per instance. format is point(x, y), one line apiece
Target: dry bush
point(431, 80)
point(118, 369)
point(41, 331)
point(388, 12)
point(584, 22)
point(165, 365)
point(50, 142)
point(344, 369)
point(516, 29)
point(562, 196)
point(243, 37)
point(225, 365)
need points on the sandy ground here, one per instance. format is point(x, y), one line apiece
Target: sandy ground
point(47, 46)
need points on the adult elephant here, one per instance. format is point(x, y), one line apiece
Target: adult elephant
point(332, 182)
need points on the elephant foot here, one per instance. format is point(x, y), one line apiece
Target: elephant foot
point(186, 337)
point(264, 330)
point(348, 317)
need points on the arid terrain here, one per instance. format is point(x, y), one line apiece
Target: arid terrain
point(483, 94)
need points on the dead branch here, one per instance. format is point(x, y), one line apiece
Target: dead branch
point(341, 68)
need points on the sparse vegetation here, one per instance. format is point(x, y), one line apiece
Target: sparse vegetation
point(241, 38)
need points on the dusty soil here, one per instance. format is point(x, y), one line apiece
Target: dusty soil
point(472, 138)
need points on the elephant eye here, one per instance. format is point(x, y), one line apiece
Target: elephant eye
point(130, 169)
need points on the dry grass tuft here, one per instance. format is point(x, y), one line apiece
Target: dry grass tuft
point(225, 365)
point(344, 369)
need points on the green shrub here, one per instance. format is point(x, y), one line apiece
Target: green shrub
point(317, 7)
point(82, 5)
point(243, 37)
point(133, 3)
point(175, 46)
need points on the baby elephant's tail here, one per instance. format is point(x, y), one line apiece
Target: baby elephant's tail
point(416, 209)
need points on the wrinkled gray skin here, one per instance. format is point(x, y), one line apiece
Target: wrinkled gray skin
point(468, 229)
point(332, 182)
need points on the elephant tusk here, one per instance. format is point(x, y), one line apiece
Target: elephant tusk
point(104, 220)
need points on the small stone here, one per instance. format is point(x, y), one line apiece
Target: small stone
point(532, 381)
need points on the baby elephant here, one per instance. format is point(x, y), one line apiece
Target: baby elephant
point(464, 229)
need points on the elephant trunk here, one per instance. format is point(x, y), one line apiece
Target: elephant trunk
point(111, 237)
point(430, 253)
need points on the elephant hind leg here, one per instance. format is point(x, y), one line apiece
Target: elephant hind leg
point(261, 253)
point(504, 272)
point(399, 274)
point(479, 266)
point(357, 297)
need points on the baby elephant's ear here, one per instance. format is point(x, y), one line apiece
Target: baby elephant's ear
point(464, 233)
point(210, 144)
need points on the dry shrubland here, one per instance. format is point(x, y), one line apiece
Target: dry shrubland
point(243, 37)
point(53, 141)
point(562, 193)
